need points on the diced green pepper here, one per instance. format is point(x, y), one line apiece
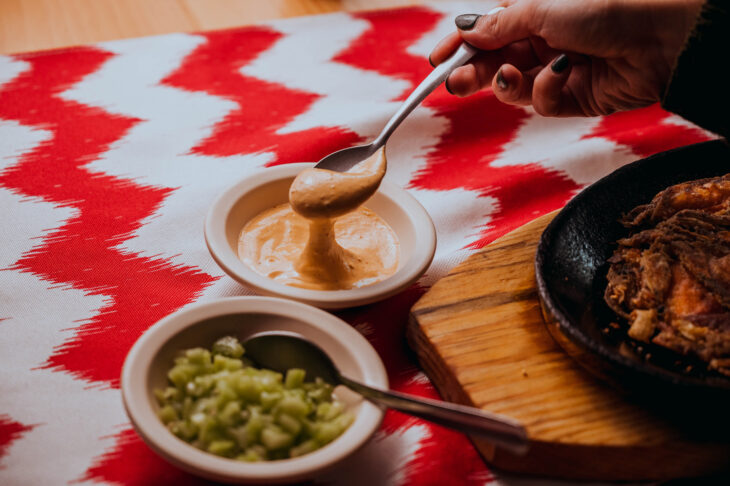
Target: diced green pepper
point(222, 447)
point(272, 437)
point(218, 402)
point(294, 378)
point(167, 414)
point(228, 346)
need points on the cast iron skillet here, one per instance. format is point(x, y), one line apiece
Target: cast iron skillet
point(571, 268)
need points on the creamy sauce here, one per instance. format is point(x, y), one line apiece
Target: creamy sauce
point(324, 239)
point(318, 193)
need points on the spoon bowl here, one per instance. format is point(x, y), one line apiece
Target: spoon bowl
point(281, 351)
point(345, 159)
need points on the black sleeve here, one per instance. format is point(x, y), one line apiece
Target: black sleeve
point(698, 90)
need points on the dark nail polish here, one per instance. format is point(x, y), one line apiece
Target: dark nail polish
point(466, 21)
point(430, 61)
point(500, 80)
point(560, 64)
point(446, 85)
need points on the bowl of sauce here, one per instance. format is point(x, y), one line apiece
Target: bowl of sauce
point(329, 239)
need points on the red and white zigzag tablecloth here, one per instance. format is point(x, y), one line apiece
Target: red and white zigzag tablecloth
point(111, 154)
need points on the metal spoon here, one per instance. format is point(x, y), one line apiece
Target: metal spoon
point(344, 159)
point(281, 350)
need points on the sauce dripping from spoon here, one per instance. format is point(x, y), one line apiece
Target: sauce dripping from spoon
point(324, 239)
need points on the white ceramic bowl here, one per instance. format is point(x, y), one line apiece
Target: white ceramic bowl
point(270, 187)
point(147, 363)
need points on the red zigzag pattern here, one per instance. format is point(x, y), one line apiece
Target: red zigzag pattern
point(10, 431)
point(646, 131)
point(264, 107)
point(214, 68)
point(81, 253)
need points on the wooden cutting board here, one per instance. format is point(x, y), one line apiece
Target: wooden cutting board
point(480, 336)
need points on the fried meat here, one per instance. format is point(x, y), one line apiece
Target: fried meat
point(670, 279)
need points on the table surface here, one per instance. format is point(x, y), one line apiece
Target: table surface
point(495, 159)
point(29, 25)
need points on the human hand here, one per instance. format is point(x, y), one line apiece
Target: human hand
point(568, 58)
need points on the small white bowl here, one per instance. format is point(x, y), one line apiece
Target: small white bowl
point(147, 363)
point(269, 188)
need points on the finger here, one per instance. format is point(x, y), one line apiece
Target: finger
point(444, 48)
point(475, 75)
point(450, 43)
point(546, 92)
point(520, 54)
point(512, 86)
point(550, 94)
point(543, 51)
point(464, 82)
point(502, 27)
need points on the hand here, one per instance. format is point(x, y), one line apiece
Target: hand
point(567, 57)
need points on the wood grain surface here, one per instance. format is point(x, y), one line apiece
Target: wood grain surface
point(28, 25)
point(480, 336)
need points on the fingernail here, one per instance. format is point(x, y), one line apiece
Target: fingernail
point(560, 64)
point(430, 61)
point(446, 84)
point(494, 10)
point(466, 21)
point(500, 80)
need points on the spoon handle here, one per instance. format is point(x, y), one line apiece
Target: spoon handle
point(432, 81)
point(503, 431)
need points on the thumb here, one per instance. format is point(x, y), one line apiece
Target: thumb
point(499, 27)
